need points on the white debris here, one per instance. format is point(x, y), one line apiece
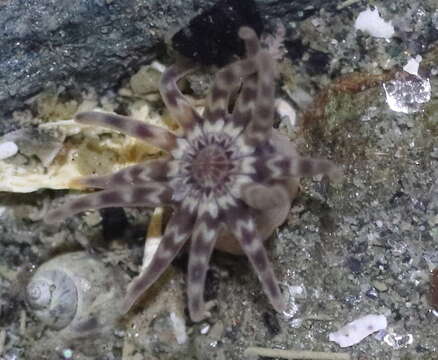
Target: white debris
point(412, 65)
point(153, 238)
point(204, 330)
point(370, 21)
point(158, 66)
point(407, 94)
point(67, 353)
point(299, 96)
point(357, 330)
point(8, 149)
point(292, 294)
point(179, 327)
point(286, 112)
point(397, 341)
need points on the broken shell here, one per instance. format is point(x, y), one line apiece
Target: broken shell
point(53, 297)
point(73, 292)
point(357, 330)
point(56, 153)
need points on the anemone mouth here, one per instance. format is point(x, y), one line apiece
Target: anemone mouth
point(208, 162)
point(211, 166)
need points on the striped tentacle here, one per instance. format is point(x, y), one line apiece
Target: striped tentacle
point(206, 230)
point(178, 105)
point(259, 129)
point(244, 107)
point(149, 195)
point(241, 224)
point(227, 80)
point(154, 135)
point(152, 170)
point(281, 166)
point(176, 234)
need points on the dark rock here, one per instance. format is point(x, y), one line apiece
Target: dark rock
point(114, 223)
point(354, 265)
point(68, 42)
point(211, 37)
point(76, 44)
point(271, 322)
point(318, 62)
point(212, 284)
point(433, 294)
point(295, 48)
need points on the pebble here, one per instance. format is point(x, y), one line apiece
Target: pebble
point(380, 286)
point(8, 149)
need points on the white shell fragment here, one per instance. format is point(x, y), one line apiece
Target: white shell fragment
point(179, 328)
point(408, 93)
point(153, 238)
point(413, 65)
point(8, 149)
point(354, 332)
point(286, 112)
point(369, 21)
point(53, 155)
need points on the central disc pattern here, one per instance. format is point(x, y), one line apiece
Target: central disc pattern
point(211, 166)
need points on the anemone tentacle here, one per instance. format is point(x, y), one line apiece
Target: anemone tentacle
point(150, 195)
point(242, 225)
point(176, 234)
point(227, 82)
point(154, 135)
point(281, 166)
point(205, 233)
point(245, 103)
point(178, 105)
point(152, 170)
point(260, 127)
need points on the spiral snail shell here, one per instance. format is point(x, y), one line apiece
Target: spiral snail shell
point(76, 294)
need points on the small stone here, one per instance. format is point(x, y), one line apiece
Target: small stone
point(372, 23)
point(217, 330)
point(67, 353)
point(204, 329)
point(92, 218)
point(145, 81)
point(380, 286)
point(8, 149)
point(372, 294)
